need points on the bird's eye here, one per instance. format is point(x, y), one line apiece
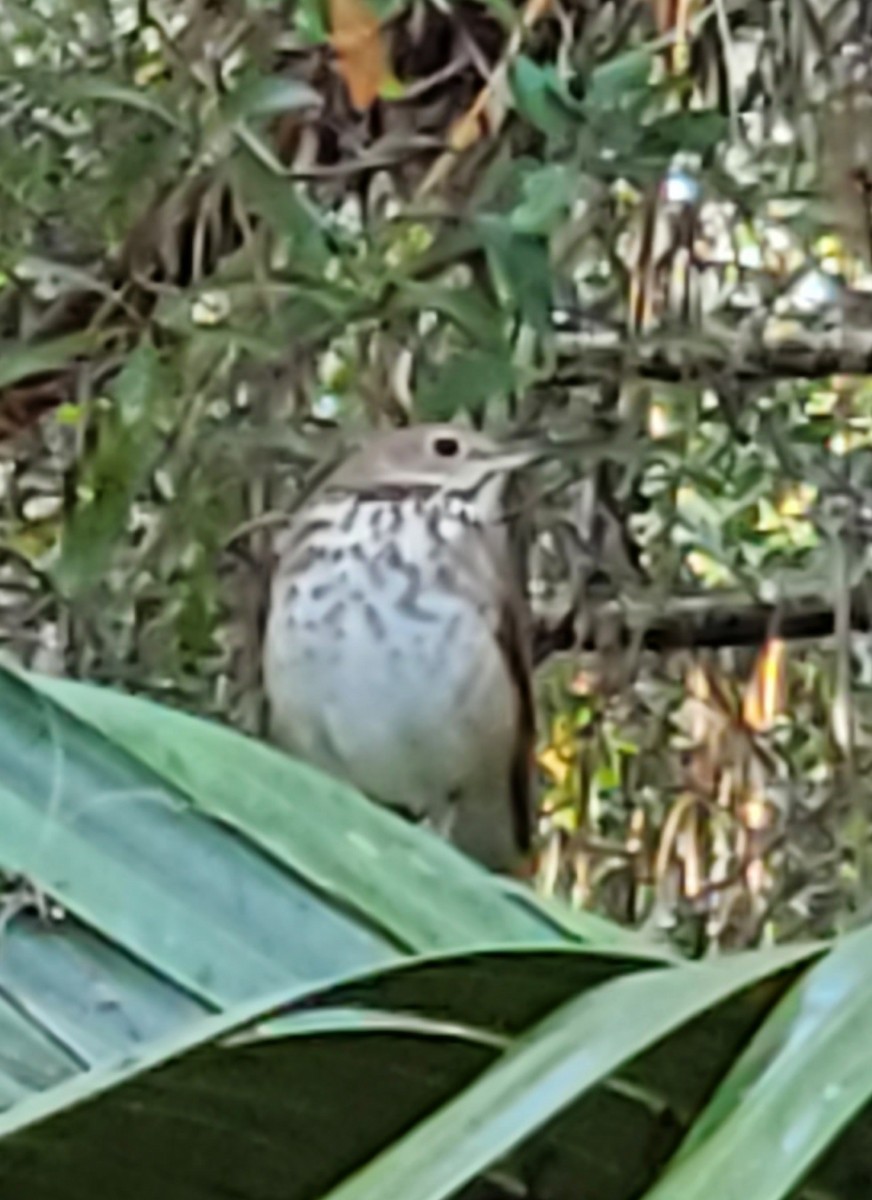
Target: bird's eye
point(446, 447)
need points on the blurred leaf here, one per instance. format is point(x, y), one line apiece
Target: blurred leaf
point(268, 96)
point(310, 18)
point(111, 479)
point(691, 132)
point(521, 268)
point(21, 360)
point(85, 87)
point(361, 54)
point(469, 381)
point(504, 10)
point(549, 193)
point(541, 98)
point(468, 309)
point(807, 1072)
point(286, 209)
point(619, 82)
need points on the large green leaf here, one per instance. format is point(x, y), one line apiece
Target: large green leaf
point(579, 1046)
point(395, 877)
point(803, 1078)
point(284, 1111)
point(202, 872)
point(288, 1104)
point(131, 857)
point(195, 868)
point(304, 1092)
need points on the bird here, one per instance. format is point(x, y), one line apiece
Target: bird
point(397, 650)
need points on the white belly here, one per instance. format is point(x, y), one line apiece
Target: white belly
point(411, 703)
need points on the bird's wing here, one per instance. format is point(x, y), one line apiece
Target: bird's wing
point(512, 638)
point(495, 560)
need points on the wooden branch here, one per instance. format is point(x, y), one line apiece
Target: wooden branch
point(714, 621)
point(774, 350)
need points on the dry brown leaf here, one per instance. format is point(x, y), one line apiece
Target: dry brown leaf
point(765, 693)
point(361, 54)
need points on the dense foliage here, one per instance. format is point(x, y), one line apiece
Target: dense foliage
point(234, 231)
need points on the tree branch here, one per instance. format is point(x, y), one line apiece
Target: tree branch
point(774, 350)
point(714, 621)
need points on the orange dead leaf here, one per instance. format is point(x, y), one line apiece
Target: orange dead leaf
point(360, 50)
point(534, 11)
point(764, 696)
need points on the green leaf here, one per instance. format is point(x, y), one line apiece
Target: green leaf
point(21, 360)
point(619, 82)
point(126, 442)
point(803, 1078)
point(92, 87)
point(692, 132)
point(239, 869)
point(549, 193)
point(312, 20)
point(588, 926)
point(286, 209)
point(130, 855)
point(501, 990)
point(521, 269)
point(469, 309)
point(541, 98)
point(468, 381)
point(255, 885)
point(581, 1045)
point(372, 861)
point(239, 1104)
point(269, 95)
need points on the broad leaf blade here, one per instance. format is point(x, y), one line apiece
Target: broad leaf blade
point(803, 1078)
point(569, 1053)
point(400, 878)
point(22, 360)
point(130, 856)
point(503, 990)
point(264, 1116)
